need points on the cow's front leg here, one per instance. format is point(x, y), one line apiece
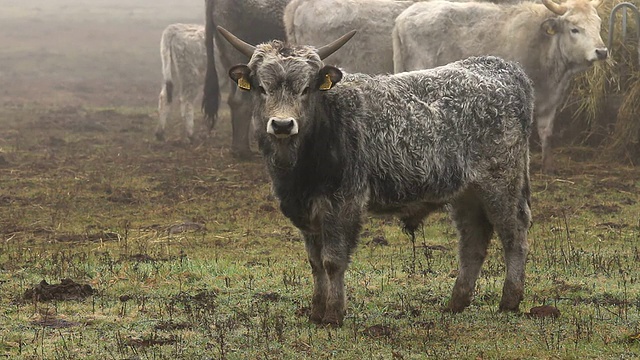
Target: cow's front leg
point(340, 236)
point(313, 244)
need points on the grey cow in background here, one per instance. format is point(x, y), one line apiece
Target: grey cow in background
point(552, 41)
point(337, 145)
point(255, 20)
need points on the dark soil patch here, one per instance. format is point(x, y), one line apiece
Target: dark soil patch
point(100, 236)
point(544, 311)
point(121, 196)
point(66, 290)
point(602, 209)
point(268, 296)
point(55, 323)
point(142, 258)
point(378, 331)
point(186, 227)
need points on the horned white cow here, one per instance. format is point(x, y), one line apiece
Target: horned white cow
point(184, 62)
point(552, 41)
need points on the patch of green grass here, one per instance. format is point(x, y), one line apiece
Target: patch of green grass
point(189, 257)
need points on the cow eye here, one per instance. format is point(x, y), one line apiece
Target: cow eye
point(262, 90)
point(305, 91)
point(575, 31)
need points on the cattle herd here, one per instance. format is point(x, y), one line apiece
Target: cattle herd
point(389, 107)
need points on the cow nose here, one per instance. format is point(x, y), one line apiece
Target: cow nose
point(602, 53)
point(282, 127)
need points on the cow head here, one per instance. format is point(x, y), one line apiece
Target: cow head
point(285, 82)
point(576, 31)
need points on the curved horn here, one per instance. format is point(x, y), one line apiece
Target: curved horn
point(329, 49)
point(555, 7)
point(242, 46)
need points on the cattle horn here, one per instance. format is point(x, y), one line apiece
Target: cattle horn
point(242, 46)
point(555, 7)
point(329, 49)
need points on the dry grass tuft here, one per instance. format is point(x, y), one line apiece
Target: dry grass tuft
point(614, 82)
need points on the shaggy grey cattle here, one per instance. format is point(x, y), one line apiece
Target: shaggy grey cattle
point(553, 42)
point(183, 55)
point(338, 145)
point(254, 20)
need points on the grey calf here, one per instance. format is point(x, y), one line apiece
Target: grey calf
point(338, 145)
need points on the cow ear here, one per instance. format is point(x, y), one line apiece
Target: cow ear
point(550, 26)
point(328, 77)
point(240, 74)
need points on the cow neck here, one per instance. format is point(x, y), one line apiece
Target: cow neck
point(319, 163)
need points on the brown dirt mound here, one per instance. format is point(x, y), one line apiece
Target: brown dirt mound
point(66, 290)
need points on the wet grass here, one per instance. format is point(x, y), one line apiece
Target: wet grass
point(188, 257)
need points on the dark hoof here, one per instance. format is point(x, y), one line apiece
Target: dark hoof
point(332, 322)
point(160, 136)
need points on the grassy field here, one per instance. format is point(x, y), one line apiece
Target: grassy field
point(154, 250)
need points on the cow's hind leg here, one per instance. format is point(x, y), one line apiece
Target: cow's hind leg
point(313, 245)
point(163, 111)
point(475, 232)
point(511, 217)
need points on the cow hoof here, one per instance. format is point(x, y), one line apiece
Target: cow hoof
point(160, 136)
point(454, 308)
point(332, 322)
point(315, 318)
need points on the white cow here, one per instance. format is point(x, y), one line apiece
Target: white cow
point(184, 64)
point(552, 41)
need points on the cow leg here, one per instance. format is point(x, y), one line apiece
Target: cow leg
point(475, 232)
point(163, 110)
point(545, 132)
point(340, 236)
point(188, 119)
point(240, 122)
point(313, 245)
point(511, 217)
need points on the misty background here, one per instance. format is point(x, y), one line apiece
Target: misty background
point(86, 52)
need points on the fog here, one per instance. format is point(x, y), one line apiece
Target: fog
point(86, 52)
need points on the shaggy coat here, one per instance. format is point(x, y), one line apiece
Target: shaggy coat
point(401, 144)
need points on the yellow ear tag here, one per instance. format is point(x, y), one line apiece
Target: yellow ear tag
point(244, 84)
point(327, 84)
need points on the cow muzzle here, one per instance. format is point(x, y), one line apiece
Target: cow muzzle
point(602, 53)
point(282, 127)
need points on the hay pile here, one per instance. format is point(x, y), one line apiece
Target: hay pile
point(614, 84)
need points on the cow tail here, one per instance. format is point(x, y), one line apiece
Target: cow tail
point(166, 56)
point(211, 98)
